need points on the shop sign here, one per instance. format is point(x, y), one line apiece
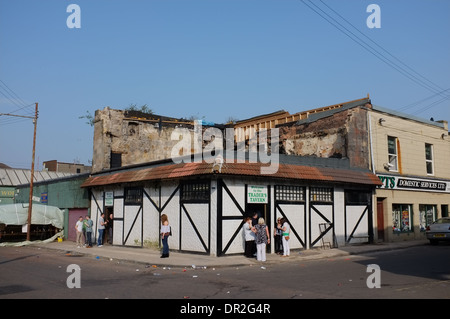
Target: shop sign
point(109, 198)
point(257, 194)
point(8, 193)
point(413, 184)
point(44, 198)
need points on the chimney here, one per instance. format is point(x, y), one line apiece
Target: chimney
point(445, 124)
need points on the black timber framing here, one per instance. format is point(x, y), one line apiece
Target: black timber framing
point(313, 208)
point(367, 203)
point(288, 202)
point(206, 245)
point(220, 218)
point(139, 212)
point(160, 208)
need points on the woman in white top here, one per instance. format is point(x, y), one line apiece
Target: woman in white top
point(249, 235)
point(285, 238)
point(165, 233)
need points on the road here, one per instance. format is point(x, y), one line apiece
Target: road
point(416, 272)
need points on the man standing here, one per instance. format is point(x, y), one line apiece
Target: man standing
point(88, 226)
point(79, 230)
point(101, 228)
point(110, 229)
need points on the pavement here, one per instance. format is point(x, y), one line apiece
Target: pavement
point(151, 256)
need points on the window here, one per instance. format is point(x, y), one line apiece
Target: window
point(321, 194)
point(429, 158)
point(357, 197)
point(133, 196)
point(392, 153)
point(116, 160)
point(402, 218)
point(195, 192)
point(427, 215)
point(290, 193)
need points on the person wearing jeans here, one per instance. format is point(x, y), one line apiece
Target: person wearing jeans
point(101, 228)
point(88, 225)
point(165, 233)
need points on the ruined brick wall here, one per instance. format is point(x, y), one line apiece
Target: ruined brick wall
point(137, 139)
point(341, 135)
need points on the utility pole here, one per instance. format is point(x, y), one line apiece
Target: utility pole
point(30, 200)
point(30, 203)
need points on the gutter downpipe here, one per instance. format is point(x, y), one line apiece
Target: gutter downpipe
point(371, 145)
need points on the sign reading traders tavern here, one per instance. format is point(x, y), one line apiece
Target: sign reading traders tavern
point(257, 194)
point(401, 183)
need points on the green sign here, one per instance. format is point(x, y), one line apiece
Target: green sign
point(257, 194)
point(109, 198)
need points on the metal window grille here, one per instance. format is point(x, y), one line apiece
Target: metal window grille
point(133, 196)
point(321, 194)
point(195, 191)
point(290, 193)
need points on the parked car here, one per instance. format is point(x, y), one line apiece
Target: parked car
point(439, 230)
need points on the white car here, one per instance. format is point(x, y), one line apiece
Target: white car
point(439, 230)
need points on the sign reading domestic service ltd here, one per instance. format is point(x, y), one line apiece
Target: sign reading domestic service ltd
point(416, 184)
point(257, 194)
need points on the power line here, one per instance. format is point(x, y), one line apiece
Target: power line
point(378, 45)
point(425, 108)
point(372, 50)
point(13, 94)
point(414, 104)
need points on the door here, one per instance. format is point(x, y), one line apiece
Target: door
point(380, 219)
point(444, 210)
point(74, 216)
point(262, 211)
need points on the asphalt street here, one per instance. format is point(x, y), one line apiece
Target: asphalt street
point(419, 272)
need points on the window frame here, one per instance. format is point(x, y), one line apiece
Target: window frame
point(394, 156)
point(130, 199)
point(400, 211)
point(429, 160)
point(424, 216)
point(290, 193)
point(321, 195)
point(198, 191)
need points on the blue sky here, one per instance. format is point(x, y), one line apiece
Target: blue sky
point(212, 59)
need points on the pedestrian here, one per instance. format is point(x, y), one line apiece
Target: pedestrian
point(286, 230)
point(255, 219)
point(262, 238)
point(277, 234)
point(101, 228)
point(110, 229)
point(165, 233)
point(88, 223)
point(249, 236)
point(79, 231)
point(84, 234)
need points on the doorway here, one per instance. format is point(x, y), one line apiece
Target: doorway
point(380, 219)
point(109, 219)
point(263, 211)
point(444, 210)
